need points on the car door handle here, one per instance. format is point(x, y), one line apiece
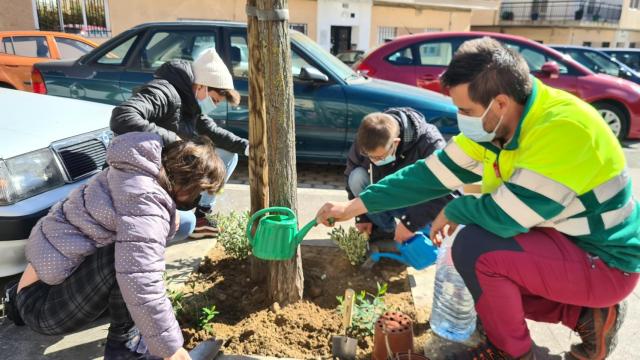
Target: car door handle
point(13, 66)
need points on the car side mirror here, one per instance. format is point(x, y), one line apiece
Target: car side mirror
point(551, 69)
point(312, 74)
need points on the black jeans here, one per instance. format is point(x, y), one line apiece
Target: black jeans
point(91, 290)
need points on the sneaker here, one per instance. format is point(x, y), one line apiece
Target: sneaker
point(206, 227)
point(598, 329)
point(485, 351)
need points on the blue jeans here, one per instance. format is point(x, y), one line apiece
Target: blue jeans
point(187, 217)
point(187, 225)
point(230, 161)
point(386, 220)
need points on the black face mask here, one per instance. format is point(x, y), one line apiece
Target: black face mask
point(188, 205)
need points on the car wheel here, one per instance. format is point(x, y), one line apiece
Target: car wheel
point(617, 119)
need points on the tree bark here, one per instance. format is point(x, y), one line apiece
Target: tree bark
point(258, 164)
point(284, 278)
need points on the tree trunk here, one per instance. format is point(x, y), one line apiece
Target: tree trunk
point(258, 165)
point(284, 279)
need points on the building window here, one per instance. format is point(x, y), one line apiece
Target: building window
point(605, 44)
point(634, 4)
point(386, 34)
point(85, 17)
point(632, 45)
point(299, 27)
point(586, 43)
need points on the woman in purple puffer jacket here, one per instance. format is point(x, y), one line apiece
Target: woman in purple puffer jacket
point(103, 247)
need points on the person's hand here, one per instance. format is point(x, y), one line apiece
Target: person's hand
point(402, 233)
point(440, 228)
point(365, 228)
point(331, 212)
point(181, 354)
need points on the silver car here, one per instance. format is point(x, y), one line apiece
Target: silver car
point(48, 146)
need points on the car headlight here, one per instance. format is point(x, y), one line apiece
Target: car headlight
point(27, 175)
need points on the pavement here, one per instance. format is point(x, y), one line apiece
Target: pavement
point(317, 184)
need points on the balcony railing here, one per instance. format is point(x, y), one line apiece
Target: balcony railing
point(560, 11)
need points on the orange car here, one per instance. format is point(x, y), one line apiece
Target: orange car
point(19, 50)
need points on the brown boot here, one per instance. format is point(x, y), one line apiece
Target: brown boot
point(598, 329)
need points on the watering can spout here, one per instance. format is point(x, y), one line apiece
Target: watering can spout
point(305, 230)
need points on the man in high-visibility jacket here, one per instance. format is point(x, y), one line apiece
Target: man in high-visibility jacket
point(555, 235)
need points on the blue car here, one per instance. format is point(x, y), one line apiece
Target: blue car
point(330, 98)
point(599, 62)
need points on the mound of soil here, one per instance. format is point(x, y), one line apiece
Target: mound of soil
point(250, 324)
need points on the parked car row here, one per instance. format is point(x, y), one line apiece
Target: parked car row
point(330, 98)
point(420, 59)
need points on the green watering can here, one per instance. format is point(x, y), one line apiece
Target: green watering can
point(277, 235)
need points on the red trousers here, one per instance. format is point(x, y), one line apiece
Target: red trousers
point(541, 275)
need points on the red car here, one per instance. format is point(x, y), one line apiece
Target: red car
point(419, 60)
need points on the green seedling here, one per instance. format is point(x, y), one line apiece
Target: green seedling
point(366, 311)
point(205, 322)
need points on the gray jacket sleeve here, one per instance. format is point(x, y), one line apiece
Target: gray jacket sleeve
point(141, 111)
point(142, 231)
point(222, 138)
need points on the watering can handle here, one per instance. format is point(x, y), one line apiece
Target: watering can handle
point(259, 213)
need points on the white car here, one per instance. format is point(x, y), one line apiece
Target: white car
point(48, 146)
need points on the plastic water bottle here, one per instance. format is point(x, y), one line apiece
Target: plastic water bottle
point(453, 316)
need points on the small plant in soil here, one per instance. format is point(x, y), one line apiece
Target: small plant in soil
point(232, 234)
point(205, 322)
point(176, 297)
point(354, 243)
point(366, 311)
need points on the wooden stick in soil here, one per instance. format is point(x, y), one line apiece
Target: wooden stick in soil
point(347, 316)
point(258, 164)
point(284, 279)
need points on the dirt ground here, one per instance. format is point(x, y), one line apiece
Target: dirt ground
point(250, 324)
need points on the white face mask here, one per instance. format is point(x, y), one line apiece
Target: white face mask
point(207, 106)
point(471, 126)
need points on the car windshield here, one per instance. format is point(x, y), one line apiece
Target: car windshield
point(332, 63)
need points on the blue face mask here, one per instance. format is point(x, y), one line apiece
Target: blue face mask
point(387, 160)
point(471, 127)
point(207, 106)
